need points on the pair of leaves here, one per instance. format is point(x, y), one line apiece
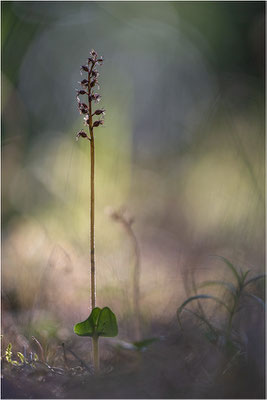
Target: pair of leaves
point(101, 322)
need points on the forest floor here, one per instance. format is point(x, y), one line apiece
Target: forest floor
point(180, 364)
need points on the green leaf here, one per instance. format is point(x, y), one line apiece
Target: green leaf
point(21, 357)
point(254, 279)
point(199, 297)
point(101, 322)
point(88, 327)
point(202, 296)
point(231, 267)
point(244, 275)
point(107, 323)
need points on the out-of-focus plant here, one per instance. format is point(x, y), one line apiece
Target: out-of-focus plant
point(237, 290)
point(101, 322)
point(127, 222)
point(23, 359)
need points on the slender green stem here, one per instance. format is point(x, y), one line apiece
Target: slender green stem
point(92, 200)
point(92, 221)
point(92, 225)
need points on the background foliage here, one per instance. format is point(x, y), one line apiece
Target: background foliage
point(182, 149)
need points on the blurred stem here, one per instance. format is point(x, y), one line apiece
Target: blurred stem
point(136, 281)
point(95, 354)
point(136, 272)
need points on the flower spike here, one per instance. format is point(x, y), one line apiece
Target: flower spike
point(88, 84)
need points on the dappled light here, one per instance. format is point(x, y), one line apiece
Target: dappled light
point(179, 200)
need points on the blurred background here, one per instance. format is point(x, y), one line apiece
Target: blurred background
point(182, 151)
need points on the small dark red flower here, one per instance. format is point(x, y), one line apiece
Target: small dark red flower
point(84, 82)
point(99, 112)
point(86, 120)
point(95, 73)
point(93, 53)
point(100, 61)
point(84, 68)
point(96, 97)
point(81, 134)
point(93, 83)
point(81, 92)
point(97, 123)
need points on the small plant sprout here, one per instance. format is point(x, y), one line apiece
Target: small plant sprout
point(23, 360)
point(237, 290)
point(101, 322)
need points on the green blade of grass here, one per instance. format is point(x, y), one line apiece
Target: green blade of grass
point(258, 299)
point(227, 285)
point(231, 267)
point(254, 279)
point(200, 297)
point(245, 275)
point(203, 319)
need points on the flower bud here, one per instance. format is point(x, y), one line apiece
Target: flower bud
point(99, 112)
point(94, 82)
point(86, 120)
point(96, 97)
point(81, 92)
point(84, 68)
point(97, 123)
point(81, 134)
point(93, 53)
point(100, 60)
point(83, 108)
point(95, 73)
point(84, 82)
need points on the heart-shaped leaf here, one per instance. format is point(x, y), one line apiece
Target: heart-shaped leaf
point(101, 322)
point(107, 323)
point(88, 327)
